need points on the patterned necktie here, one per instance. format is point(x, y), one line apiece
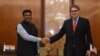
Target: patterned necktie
point(74, 24)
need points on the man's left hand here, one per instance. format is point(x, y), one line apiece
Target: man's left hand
point(94, 50)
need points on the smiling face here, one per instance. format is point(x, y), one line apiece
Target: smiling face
point(27, 16)
point(75, 11)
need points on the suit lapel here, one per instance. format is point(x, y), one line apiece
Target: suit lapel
point(71, 26)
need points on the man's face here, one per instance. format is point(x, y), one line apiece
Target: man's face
point(74, 12)
point(27, 17)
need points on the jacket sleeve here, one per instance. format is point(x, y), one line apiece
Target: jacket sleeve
point(89, 37)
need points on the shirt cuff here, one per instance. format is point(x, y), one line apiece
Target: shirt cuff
point(39, 39)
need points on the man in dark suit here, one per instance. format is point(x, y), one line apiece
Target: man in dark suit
point(78, 34)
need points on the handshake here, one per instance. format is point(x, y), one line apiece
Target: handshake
point(45, 40)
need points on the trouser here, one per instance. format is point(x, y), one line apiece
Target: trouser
point(73, 52)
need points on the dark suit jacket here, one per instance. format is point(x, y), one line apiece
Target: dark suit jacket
point(81, 37)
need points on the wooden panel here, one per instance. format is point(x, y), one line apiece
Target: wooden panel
point(91, 9)
point(11, 15)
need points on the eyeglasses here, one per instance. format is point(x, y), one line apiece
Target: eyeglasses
point(74, 10)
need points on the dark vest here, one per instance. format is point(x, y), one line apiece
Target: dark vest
point(24, 47)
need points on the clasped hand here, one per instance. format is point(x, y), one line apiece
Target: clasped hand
point(45, 40)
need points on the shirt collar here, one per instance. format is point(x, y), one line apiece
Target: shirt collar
point(77, 18)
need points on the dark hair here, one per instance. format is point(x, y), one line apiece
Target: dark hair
point(27, 10)
point(75, 6)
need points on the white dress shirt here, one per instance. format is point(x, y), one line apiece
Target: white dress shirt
point(76, 20)
point(22, 32)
